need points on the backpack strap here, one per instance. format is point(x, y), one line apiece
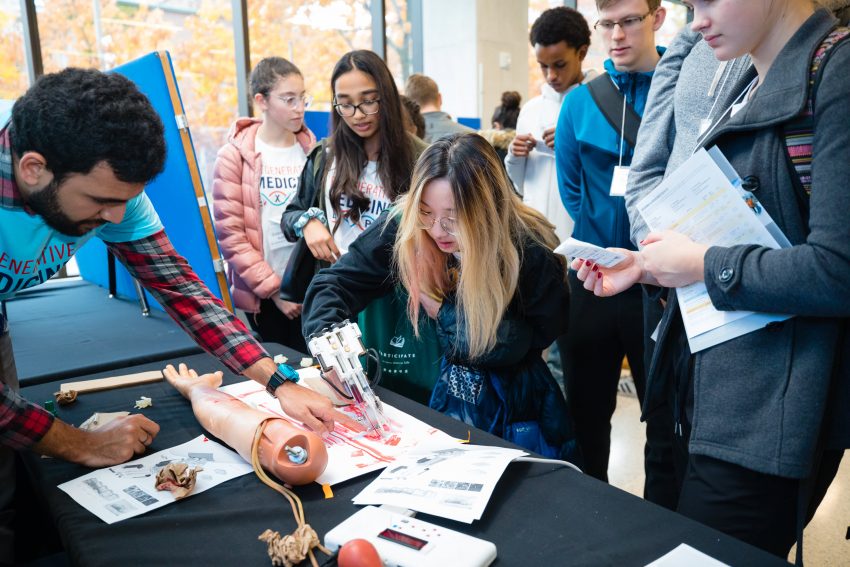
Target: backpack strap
point(799, 133)
point(609, 100)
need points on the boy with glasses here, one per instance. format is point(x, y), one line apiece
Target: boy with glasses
point(594, 142)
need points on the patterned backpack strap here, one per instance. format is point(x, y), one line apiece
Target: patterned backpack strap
point(799, 133)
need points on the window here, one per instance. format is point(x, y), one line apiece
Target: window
point(13, 67)
point(108, 33)
point(313, 34)
point(399, 40)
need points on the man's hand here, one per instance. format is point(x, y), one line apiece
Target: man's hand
point(549, 137)
point(291, 310)
point(320, 241)
point(522, 145)
point(312, 409)
point(116, 442)
point(673, 259)
point(605, 282)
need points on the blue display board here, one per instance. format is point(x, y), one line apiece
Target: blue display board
point(177, 193)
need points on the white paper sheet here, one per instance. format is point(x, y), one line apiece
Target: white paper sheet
point(441, 478)
point(123, 491)
point(700, 200)
point(574, 248)
point(350, 454)
point(686, 555)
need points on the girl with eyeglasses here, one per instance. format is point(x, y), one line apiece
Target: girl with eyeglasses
point(350, 178)
point(256, 178)
point(762, 419)
point(477, 261)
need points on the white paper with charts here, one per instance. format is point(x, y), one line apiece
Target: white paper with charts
point(703, 200)
point(350, 453)
point(449, 480)
point(127, 490)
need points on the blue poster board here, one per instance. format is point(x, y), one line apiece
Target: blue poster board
point(177, 193)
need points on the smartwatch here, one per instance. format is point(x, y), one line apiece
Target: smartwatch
point(284, 373)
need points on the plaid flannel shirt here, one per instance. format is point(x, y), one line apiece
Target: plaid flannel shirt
point(169, 278)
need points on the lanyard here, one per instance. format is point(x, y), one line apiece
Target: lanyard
point(622, 131)
point(720, 118)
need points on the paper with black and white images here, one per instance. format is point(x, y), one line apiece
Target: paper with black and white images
point(123, 491)
point(443, 479)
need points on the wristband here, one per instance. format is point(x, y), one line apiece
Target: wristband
point(283, 374)
point(307, 216)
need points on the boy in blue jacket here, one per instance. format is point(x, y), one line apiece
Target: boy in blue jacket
point(588, 148)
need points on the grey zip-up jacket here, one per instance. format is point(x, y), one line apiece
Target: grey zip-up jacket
point(760, 400)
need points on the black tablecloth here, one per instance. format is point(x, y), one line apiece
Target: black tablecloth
point(539, 514)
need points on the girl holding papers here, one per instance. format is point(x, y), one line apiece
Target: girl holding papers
point(762, 418)
point(477, 261)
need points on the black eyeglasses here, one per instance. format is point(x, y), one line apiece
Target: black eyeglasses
point(626, 24)
point(367, 107)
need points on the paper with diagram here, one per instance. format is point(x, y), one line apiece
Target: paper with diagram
point(443, 479)
point(124, 491)
point(350, 453)
point(574, 248)
point(703, 200)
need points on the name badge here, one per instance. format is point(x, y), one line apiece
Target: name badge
point(620, 181)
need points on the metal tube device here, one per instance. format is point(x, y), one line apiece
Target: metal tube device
point(338, 351)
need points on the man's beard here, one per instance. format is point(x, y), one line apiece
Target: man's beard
point(46, 204)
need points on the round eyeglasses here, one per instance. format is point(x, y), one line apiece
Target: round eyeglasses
point(367, 107)
point(292, 102)
point(428, 220)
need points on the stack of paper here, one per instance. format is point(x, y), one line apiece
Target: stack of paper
point(443, 479)
point(703, 200)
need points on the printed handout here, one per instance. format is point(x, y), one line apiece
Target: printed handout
point(127, 490)
point(443, 479)
point(701, 201)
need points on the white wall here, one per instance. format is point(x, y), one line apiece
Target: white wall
point(463, 40)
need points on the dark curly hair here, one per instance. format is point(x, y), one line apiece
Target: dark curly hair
point(560, 24)
point(78, 118)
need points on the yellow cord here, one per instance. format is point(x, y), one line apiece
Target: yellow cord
point(294, 501)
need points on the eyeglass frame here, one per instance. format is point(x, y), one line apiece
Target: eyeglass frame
point(357, 107)
point(636, 19)
point(436, 219)
point(305, 99)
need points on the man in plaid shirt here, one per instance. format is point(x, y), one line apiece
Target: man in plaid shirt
point(74, 160)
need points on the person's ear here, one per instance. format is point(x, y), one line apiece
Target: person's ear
point(32, 170)
point(260, 102)
point(582, 52)
point(660, 14)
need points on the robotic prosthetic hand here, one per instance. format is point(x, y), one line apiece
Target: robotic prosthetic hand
point(338, 351)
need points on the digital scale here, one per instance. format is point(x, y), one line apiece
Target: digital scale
point(402, 541)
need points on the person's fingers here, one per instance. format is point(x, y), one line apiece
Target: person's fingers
point(346, 420)
point(652, 237)
point(313, 423)
point(169, 371)
point(577, 263)
point(149, 426)
point(138, 448)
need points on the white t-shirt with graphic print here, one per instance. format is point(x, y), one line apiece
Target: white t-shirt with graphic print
point(371, 186)
point(278, 187)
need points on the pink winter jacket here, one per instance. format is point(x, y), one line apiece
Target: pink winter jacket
point(238, 226)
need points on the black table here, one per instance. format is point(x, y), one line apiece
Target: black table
point(71, 328)
point(538, 515)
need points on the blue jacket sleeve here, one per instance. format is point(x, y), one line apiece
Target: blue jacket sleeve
point(567, 159)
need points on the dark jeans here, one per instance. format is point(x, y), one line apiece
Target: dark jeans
point(602, 331)
point(274, 327)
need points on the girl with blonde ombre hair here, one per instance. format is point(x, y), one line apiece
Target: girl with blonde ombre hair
point(479, 263)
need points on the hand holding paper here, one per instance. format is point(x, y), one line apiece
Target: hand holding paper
point(673, 259)
point(605, 282)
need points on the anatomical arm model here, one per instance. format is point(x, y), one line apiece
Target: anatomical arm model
point(293, 455)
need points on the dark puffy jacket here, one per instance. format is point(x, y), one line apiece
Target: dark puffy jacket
point(521, 379)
